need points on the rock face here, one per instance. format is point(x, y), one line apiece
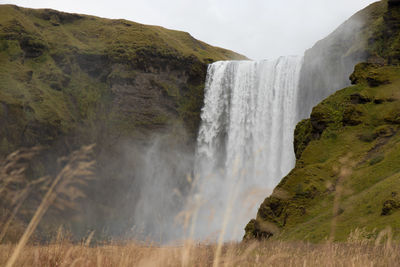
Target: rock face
point(347, 152)
point(68, 80)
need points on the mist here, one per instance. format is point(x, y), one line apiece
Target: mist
point(163, 183)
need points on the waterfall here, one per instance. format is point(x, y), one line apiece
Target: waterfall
point(245, 141)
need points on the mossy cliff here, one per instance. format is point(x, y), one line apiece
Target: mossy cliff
point(348, 153)
point(88, 78)
point(68, 80)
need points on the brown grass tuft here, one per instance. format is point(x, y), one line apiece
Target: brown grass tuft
point(77, 170)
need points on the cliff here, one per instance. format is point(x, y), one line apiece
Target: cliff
point(346, 174)
point(60, 73)
point(68, 80)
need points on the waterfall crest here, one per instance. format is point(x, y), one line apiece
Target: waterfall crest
point(245, 141)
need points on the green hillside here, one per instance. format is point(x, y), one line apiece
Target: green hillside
point(348, 155)
point(60, 73)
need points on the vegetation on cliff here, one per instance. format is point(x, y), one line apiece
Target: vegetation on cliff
point(348, 156)
point(68, 80)
point(64, 73)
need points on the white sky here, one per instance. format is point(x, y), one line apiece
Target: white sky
point(256, 28)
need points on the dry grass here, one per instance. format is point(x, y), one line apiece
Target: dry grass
point(60, 191)
point(249, 254)
point(63, 189)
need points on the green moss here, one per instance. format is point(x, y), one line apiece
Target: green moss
point(302, 136)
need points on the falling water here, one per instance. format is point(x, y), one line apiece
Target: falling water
point(245, 142)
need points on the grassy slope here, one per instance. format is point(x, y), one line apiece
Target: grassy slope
point(348, 168)
point(57, 70)
point(363, 159)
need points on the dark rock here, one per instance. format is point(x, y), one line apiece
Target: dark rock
point(359, 99)
point(351, 116)
point(57, 16)
point(32, 47)
point(94, 65)
point(319, 122)
point(390, 206)
point(303, 135)
point(253, 230)
point(375, 82)
point(63, 62)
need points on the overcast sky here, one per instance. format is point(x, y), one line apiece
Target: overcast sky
point(256, 28)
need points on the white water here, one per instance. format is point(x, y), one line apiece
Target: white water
point(245, 142)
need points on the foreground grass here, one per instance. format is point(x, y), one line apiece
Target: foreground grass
point(249, 254)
